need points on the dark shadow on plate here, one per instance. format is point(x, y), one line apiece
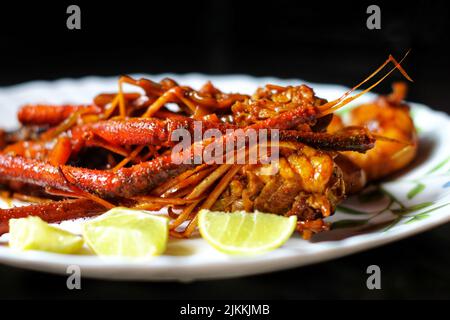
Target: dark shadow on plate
point(358, 229)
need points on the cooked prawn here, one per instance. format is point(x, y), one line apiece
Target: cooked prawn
point(389, 118)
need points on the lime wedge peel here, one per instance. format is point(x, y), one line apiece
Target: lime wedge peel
point(32, 233)
point(243, 233)
point(123, 232)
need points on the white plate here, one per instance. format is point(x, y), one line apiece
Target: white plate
point(194, 259)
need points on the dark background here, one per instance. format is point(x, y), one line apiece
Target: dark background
point(315, 40)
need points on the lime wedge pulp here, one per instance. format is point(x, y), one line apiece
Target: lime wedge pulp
point(32, 233)
point(245, 233)
point(123, 232)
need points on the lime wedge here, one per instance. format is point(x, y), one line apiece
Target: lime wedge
point(32, 233)
point(123, 232)
point(245, 233)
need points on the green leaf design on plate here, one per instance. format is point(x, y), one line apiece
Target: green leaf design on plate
point(418, 217)
point(412, 208)
point(434, 209)
point(416, 190)
point(350, 210)
point(439, 165)
point(394, 223)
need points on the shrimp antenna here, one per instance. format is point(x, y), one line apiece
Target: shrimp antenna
point(343, 100)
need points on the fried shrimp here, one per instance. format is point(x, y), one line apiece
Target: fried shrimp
point(388, 118)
